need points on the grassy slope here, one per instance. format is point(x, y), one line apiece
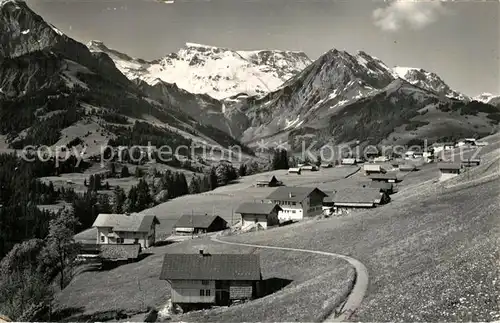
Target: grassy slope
point(135, 286)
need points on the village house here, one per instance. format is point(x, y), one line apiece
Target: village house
point(381, 159)
point(132, 228)
point(348, 161)
point(342, 200)
point(258, 215)
point(297, 202)
point(268, 182)
point(211, 279)
point(326, 165)
point(192, 224)
point(295, 170)
point(385, 177)
point(449, 170)
point(373, 169)
point(449, 145)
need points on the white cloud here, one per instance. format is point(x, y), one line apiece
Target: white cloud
point(413, 14)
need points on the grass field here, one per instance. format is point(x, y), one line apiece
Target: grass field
point(433, 253)
point(134, 287)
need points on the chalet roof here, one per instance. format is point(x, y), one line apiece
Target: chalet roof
point(449, 166)
point(211, 267)
point(380, 185)
point(257, 208)
point(120, 251)
point(383, 176)
point(295, 194)
point(122, 222)
point(354, 195)
point(196, 221)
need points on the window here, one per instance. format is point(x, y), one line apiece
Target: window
point(136, 240)
point(202, 292)
point(119, 240)
point(204, 282)
point(207, 292)
point(102, 238)
point(110, 230)
point(293, 211)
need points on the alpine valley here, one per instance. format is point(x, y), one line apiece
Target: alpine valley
point(217, 96)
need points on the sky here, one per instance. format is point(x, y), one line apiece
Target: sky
point(459, 40)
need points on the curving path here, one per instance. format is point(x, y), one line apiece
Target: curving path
point(353, 301)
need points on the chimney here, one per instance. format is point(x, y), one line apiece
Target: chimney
point(201, 252)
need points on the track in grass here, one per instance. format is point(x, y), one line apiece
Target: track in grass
point(353, 301)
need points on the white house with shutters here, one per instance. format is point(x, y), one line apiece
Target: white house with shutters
point(297, 202)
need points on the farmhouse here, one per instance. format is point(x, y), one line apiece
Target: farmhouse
point(348, 161)
point(268, 182)
point(344, 199)
point(216, 279)
point(449, 170)
point(260, 215)
point(297, 202)
point(373, 169)
point(386, 177)
point(126, 229)
point(471, 162)
point(198, 223)
point(294, 170)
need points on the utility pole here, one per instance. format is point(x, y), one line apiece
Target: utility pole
point(192, 232)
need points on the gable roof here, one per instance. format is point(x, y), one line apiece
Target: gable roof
point(197, 221)
point(211, 267)
point(290, 193)
point(355, 195)
point(120, 251)
point(134, 222)
point(268, 179)
point(379, 185)
point(257, 208)
point(449, 166)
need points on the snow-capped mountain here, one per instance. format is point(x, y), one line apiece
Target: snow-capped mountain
point(427, 80)
point(218, 72)
point(488, 98)
point(343, 97)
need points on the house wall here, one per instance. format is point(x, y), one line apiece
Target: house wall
point(145, 239)
point(240, 290)
point(188, 291)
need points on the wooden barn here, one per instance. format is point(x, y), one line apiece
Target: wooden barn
point(344, 199)
point(211, 279)
point(198, 224)
point(268, 182)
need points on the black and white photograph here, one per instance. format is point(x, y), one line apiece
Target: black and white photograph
point(249, 161)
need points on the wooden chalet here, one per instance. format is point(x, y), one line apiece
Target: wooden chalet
point(386, 177)
point(198, 224)
point(211, 279)
point(258, 215)
point(268, 182)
